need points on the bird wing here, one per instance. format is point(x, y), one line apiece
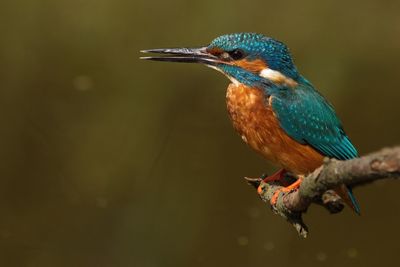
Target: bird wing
point(307, 117)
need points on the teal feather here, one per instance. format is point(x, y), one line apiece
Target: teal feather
point(307, 117)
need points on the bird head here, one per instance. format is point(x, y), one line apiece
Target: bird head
point(246, 58)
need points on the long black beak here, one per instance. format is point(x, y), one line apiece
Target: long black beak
point(186, 55)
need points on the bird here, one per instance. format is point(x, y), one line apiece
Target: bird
point(276, 110)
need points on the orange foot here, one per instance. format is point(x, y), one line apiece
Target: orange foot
point(292, 187)
point(272, 178)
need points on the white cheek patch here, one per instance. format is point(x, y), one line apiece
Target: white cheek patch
point(277, 77)
point(272, 75)
point(233, 80)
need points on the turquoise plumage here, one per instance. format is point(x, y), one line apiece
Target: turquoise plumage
point(307, 117)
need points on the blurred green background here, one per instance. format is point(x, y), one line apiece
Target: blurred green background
point(107, 160)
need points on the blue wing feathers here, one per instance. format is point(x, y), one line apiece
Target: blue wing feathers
point(308, 118)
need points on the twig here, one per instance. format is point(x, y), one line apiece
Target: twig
point(315, 187)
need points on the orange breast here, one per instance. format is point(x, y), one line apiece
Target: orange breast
point(254, 119)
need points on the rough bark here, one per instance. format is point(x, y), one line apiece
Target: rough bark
point(315, 188)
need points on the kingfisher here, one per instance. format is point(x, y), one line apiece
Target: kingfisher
point(275, 109)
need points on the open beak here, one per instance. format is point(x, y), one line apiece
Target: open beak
point(185, 55)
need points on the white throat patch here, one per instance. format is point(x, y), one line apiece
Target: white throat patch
point(233, 80)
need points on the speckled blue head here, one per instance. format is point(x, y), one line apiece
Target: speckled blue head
point(251, 58)
point(255, 46)
point(247, 58)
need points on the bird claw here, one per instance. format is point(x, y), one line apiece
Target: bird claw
point(293, 187)
point(276, 177)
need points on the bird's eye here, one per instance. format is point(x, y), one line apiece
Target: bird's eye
point(237, 54)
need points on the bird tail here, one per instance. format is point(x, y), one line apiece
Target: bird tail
point(346, 194)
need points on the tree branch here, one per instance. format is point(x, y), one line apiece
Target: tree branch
point(315, 187)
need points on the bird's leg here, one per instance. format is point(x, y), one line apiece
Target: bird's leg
point(294, 186)
point(277, 176)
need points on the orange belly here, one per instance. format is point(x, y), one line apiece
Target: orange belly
point(254, 120)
